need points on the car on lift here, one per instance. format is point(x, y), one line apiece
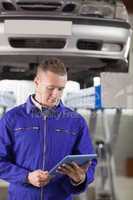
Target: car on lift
point(91, 36)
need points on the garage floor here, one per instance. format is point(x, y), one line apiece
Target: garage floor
point(124, 190)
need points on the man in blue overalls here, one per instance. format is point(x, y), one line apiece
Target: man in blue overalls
point(36, 135)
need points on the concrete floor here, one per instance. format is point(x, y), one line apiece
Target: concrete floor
point(123, 186)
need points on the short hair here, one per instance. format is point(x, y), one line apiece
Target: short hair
point(54, 65)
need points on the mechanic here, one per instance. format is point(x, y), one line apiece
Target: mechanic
point(36, 135)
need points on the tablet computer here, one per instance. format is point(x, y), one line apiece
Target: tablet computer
point(79, 159)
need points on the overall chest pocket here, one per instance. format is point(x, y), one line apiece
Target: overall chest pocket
point(29, 130)
point(26, 128)
point(26, 137)
point(63, 131)
point(66, 139)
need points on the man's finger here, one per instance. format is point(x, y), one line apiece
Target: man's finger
point(61, 171)
point(44, 173)
point(68, 167)
point(42, 183)
point(65, 170)
point(75, 166)
point(86, 166)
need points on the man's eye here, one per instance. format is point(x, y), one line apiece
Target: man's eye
point(60, 89)
point(50, 88)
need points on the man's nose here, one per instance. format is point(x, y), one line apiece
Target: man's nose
point(55, 92)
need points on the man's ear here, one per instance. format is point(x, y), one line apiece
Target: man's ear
point(36, 80)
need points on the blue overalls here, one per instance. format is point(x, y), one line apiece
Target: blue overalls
point(32, 140)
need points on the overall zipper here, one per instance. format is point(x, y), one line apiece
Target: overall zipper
point(44, 151)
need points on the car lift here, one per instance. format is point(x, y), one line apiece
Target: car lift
point(105, 188)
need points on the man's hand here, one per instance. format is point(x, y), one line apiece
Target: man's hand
point(38, 178)
point(75, 172)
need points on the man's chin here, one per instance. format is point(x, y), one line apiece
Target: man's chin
point(52, 103)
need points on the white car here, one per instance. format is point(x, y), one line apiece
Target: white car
point(89, 35)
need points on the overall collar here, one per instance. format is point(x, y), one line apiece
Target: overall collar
point(32, 106)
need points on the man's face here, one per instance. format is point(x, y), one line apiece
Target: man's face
point(49, 87)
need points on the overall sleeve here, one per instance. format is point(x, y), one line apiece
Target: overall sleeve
point(9, 171)
point(83, 146)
